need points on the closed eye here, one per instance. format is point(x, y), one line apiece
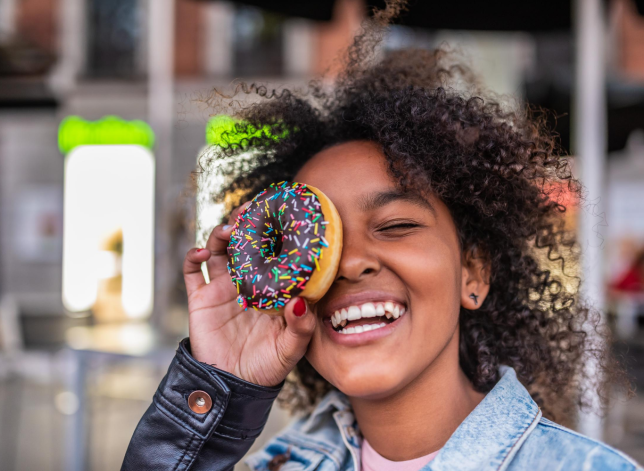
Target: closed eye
point(407, 225)
point(398, 225)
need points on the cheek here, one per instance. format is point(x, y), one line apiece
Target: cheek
point(430, 269)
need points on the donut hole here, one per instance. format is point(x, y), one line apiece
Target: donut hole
point(271, 241)
point(274, 246)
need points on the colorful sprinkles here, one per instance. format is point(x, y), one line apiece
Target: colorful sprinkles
point(276, 245)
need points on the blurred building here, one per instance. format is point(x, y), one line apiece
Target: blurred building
point(90, 58)
point(158, 61)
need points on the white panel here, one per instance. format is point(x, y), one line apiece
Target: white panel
point(589, 130)
point(108, 188)
point(298, 47)
point(72, 26)
point(7, 18)
point(218, 47)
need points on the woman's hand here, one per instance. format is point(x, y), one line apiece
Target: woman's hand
point(255, 347)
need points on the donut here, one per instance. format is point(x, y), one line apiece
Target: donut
point(286, 243)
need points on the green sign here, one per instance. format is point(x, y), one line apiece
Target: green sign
point(221, 131)
point(75, 131)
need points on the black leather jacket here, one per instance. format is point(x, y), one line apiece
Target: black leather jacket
point(171, 436)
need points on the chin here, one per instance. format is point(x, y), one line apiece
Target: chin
point(375, 390)
point(366, 384)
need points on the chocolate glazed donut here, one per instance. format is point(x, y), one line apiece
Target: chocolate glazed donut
point(286, 243)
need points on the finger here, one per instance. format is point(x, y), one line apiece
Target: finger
point(217, 243)
point(192, 274)
point(218, 239)
point(300, 324)
point(235, 214)
point(219, 294)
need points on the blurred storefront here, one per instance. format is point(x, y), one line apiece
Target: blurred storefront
point(92, 369)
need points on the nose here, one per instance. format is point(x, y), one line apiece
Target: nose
point(358, 260)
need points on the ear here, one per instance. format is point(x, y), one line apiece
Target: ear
point(475, 283)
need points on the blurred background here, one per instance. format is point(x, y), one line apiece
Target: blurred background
point(104, 111)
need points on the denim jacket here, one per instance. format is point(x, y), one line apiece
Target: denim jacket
point(506, 431)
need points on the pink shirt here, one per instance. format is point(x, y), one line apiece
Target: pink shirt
point(372, 461)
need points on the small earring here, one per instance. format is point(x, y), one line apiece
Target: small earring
point(475, 298)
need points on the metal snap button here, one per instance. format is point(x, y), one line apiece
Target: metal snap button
point(199, 402)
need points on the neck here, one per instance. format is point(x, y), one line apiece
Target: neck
point(419, 418)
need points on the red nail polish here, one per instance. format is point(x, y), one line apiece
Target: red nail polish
point(300, 307)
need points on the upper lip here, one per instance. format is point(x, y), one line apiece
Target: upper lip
point(356, 299)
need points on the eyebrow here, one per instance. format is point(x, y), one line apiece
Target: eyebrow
point(374, 201)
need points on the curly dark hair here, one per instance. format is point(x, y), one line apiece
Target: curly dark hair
point(497, 168)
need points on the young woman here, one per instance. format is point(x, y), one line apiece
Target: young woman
point(451, 211)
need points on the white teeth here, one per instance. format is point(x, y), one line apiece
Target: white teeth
point(354, 313)
point(368, 310)
point(340, 318)
point(362, 328)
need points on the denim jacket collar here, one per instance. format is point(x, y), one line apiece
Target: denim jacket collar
point(487, 439)
point(494, 431)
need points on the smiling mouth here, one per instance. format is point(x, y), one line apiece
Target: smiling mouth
point(356, 319)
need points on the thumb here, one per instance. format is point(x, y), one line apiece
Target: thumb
point(300, 324)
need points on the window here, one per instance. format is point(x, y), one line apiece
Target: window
point(113, 37)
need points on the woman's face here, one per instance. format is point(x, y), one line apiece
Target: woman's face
point(399, 249)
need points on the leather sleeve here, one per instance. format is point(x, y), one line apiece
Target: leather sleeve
point(172, 437)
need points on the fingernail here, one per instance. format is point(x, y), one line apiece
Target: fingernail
point(200, 250)
point(226, 227)
point(300, 307)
